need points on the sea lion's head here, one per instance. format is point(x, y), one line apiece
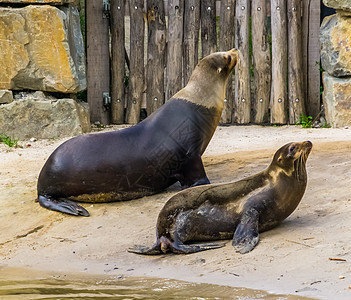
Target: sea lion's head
point(291, 159)
point(216, 65)
point(220, 63)
point(208, 81)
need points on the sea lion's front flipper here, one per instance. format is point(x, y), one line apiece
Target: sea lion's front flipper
point(193, 173)
point(62, 205)
point(246, 233)
point(180, 248)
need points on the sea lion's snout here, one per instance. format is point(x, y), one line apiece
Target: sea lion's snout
point(234, 51)
point(308, 144)
point(307, 147)
point(232, 57)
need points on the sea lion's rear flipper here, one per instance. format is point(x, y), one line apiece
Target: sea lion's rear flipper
point(246, 233)
point(180, 248)
point(62, 205)
point(193, 173)
point(138, 249)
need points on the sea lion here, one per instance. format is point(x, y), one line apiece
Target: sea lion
point(238, 210)
point(146, 158)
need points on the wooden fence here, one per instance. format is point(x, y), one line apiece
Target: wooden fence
point(278, 78)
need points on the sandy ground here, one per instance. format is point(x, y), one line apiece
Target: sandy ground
point(309, 254)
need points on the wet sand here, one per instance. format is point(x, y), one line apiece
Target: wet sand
point(309, 254)
point(29, 284)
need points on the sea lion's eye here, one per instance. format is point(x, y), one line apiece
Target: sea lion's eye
point(227, 59)
point(292, 148)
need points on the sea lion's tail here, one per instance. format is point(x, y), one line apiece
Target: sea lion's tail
point(62, 205)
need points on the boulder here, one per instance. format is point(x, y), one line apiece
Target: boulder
point(337, 100)
point(343, 5)
point(42, 49)
point(38, 95)
point(335, 41)
point(6, 96)
point(29, 118)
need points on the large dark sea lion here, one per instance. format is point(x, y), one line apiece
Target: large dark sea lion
point(238, 210)
point(146, 158)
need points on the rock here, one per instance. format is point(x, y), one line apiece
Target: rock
point(6, 96)
point(42, 49)
point(335, 40)
point(337, 100)
point(338, 4)
point(38, 95)
point(24, 119)
point(343, 13)
point(322, 122)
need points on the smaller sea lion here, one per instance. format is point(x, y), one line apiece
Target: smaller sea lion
point(239, 209)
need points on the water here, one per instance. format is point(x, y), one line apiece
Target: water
point(27, 284)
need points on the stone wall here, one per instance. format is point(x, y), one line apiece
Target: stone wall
point(42, 49)
point(335, 39)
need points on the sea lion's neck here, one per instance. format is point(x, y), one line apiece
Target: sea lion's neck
point(297, 172)
point(206, 93)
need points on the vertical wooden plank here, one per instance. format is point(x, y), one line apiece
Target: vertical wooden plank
point(295, 73)
point(191, 37)
point(279, 62)
point(98, 61)
point(208, 27)
point(261, 61)
point(174, 47)
point(314, 75)
point(136, 78)
point(117, 62)
point(304, 36)
point(156, 55)
point(226, 42)
point(242, 112)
